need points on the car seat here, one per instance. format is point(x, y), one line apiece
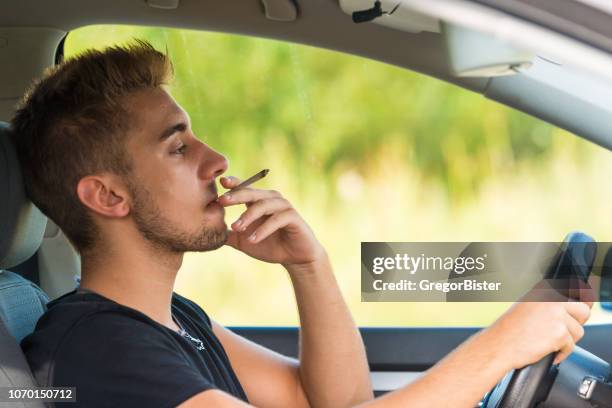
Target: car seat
point(22, 226)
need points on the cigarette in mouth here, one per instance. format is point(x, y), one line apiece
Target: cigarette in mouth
point(250, 180)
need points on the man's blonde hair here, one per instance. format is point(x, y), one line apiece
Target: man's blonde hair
point(72, 122)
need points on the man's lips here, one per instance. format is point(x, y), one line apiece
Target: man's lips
point(212, 200)
point(212, 189)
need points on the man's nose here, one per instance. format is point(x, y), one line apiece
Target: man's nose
point(213, 164)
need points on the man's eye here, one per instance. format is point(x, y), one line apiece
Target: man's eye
point(181, 149)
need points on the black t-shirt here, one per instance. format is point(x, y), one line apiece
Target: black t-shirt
point(116, 356)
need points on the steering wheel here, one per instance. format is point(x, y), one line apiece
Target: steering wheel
point(522, 388)
point(529, 385)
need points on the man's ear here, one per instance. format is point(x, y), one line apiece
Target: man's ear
point(104, 194)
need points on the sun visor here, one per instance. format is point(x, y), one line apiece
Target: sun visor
point(476, 54)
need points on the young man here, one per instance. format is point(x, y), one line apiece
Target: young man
point(111, 157)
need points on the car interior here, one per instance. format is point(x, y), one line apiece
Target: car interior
point(551, 62)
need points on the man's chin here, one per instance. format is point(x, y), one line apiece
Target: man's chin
point(212, 240)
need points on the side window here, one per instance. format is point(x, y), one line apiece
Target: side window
point(367, 152)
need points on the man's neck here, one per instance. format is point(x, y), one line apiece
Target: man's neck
point(141, 280)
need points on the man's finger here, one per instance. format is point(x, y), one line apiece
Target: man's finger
point(579, 311)
point(229, 181)
point(246, 196)
point(566, 350)
point(258, 209)
point(275, 222)
point(574, 328)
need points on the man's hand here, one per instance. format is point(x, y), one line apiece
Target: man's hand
point(528, 331)
point(523, 335)
point(333, 368)
point(270, 230)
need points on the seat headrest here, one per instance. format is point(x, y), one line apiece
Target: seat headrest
point(22, 225)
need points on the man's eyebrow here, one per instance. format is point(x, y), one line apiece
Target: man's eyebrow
point(179, 127)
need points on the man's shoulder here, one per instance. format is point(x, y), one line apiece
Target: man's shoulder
point(94, 317)
point(90, 333)
point(71, 311)
point(91, 343)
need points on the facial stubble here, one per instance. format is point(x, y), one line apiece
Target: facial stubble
point(164, 234)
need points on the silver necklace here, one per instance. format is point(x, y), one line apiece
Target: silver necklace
point(183, 332)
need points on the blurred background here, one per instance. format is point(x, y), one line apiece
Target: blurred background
point(367, 151)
